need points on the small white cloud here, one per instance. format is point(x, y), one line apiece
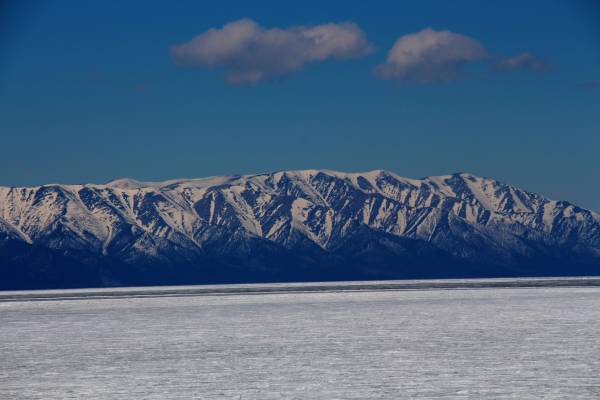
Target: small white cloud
point(523, 61)
point(249, 53)
point(430, 56)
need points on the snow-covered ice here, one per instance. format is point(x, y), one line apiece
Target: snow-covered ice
point(461, 344)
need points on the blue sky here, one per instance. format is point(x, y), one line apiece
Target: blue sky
point(91, 91)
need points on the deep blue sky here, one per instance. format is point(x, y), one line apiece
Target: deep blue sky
point(89, 92)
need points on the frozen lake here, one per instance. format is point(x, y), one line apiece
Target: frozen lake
point(522, 343)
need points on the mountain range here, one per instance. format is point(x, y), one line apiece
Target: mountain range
point(288, 226)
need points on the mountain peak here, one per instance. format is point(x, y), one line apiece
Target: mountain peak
point(309, 215)
point(126, 183)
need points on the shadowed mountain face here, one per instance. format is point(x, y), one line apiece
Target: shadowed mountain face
point(284, 226)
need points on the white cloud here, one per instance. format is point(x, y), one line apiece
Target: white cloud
point(249, 53)
point(430, 56)
point(523, 61)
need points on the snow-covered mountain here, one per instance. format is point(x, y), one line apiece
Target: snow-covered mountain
point(289, 225)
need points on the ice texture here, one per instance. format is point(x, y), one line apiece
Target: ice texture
point(508, 343)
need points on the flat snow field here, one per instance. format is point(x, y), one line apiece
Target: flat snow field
point(498, 343)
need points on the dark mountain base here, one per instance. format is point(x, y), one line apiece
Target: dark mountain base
point(23, 267)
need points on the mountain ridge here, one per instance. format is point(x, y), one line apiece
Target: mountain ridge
point(305, 220)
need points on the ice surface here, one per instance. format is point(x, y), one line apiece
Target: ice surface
point(524, 343)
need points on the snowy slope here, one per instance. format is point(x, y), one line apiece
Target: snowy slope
point(466, 216)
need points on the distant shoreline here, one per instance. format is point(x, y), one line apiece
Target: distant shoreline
point(301, 287)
